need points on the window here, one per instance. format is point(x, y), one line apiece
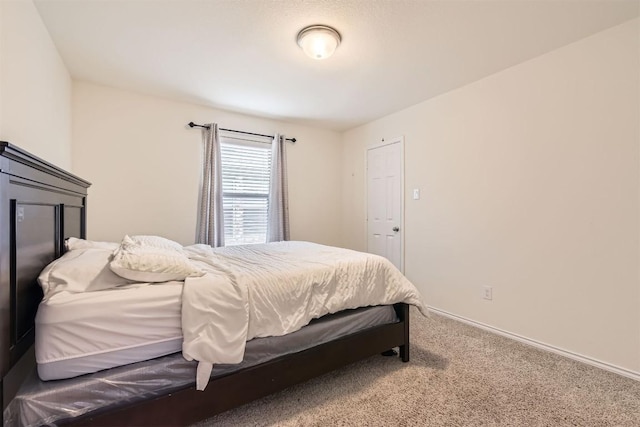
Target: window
point(246, 168)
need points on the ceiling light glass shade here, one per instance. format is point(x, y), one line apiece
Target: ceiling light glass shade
point(319, 41)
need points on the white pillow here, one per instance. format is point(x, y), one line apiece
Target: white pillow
point(152, 264)
point(73, 243)
point(154, 241)
point(80, 270)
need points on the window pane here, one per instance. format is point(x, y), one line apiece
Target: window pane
point(245, 185)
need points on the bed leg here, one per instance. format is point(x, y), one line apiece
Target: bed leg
point(404, 353)
point(403, 314)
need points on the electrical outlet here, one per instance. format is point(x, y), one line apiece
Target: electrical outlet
point(487, 292)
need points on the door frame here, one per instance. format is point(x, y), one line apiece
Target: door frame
point(382, 143)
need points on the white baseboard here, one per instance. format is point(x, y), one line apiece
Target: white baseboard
point(571, 355)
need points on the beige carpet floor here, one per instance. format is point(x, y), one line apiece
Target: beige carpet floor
point(458, 376)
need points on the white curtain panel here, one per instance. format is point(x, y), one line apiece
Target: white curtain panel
point(210, 228)
point(278, 216)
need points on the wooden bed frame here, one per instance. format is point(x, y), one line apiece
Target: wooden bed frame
point(41, 205)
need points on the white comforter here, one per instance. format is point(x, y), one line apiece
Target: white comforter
point(274, 289)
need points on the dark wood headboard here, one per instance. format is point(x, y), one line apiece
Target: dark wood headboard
point(41, 205)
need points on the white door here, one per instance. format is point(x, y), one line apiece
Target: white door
point(384, 201)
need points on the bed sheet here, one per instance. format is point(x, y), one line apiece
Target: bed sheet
point(79, 333)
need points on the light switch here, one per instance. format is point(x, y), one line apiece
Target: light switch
point(416, 194)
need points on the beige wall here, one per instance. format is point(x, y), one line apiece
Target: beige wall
point(35, 86)
point(144, 163)
point(530, 184)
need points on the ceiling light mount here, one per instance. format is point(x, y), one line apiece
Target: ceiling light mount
point(319, 41)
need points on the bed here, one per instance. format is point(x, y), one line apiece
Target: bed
point(41, 206)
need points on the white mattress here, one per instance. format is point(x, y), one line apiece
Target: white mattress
point(86, 332)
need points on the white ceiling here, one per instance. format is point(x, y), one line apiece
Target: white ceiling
point(241, 55)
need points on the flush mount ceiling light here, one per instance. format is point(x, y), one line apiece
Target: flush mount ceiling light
point(318, 41)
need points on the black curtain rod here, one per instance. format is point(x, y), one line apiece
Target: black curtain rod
point(193, 125)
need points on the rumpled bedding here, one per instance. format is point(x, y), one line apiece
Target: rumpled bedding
point(274, 289)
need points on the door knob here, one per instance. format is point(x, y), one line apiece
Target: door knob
point(396, 229)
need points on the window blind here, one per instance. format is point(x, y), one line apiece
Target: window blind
point(246, 169)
